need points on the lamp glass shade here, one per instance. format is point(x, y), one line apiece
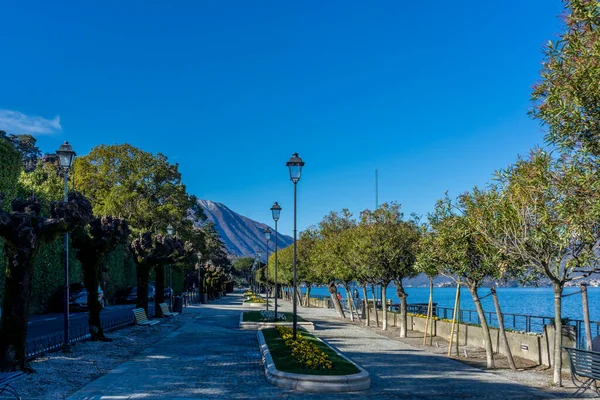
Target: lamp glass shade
point(276, 211)
point(295, 165)
point(259, 254)
point(268, 233)
point(66, 155)
point(169, 230)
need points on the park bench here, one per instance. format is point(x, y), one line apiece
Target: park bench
point(165, 310)
point(584, 364)
point(6, 378)
point(142, 319)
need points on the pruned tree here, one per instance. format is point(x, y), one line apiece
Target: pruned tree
point(93, 243)
point(24, 231)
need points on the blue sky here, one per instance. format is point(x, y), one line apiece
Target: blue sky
point(433, 94)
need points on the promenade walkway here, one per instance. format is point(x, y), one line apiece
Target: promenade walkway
point(209, 357)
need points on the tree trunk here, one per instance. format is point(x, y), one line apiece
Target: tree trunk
point(349, 300)
point(402, 295)
point(159, 294)
point(557, 378)
point(365, 300)
point(336, 303)
point(143, 276)
point(307, 303)
point(15, 310)
point(375, 305)
point(90, 280)
point(500, 317)
point(489, 353)
point(384, 304)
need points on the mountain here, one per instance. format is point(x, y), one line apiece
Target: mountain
point(241, 235)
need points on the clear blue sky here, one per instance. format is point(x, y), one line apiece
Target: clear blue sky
point(432, 93)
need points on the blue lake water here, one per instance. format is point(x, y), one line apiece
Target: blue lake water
point(532, 301)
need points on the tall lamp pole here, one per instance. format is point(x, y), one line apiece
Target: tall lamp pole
point(295, 165)
point(276, 210)
point(267, 236)
point(66, 155)
point(170, 233)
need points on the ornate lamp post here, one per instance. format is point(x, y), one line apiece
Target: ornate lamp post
point(170, 233)
point(276, 210)
point(295, 165)
point(268, 237)
point(66, 155)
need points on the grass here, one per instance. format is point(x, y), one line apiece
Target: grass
point(284, 361)
point(254, 316)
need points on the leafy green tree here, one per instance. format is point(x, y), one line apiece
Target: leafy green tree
point(24, 230)
point(546, 219)
point(141, 187)
point(567, 99)
point(93, 244)
point(26, 147)
point(391, 251)
point(243, 266)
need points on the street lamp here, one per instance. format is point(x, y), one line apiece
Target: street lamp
point(170, 231)
point(66, 155)
point(267, 236)
point(276, 210)
point(295, 165)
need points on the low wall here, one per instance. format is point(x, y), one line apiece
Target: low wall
point(536, 348)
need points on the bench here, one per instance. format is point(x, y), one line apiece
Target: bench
point(6, 378)
point(164, 308)
point(585, 364)
point(142, 319)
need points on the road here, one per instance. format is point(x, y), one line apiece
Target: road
point(48, 324)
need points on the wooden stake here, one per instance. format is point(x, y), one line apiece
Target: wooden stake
point(458, 322)
point(454, 318)
point(586, 317)
point(429, 310)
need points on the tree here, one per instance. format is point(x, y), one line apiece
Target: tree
point(547, 217)
point(390, 251)
point(463, 255)
point(93, 244)
point(567, 99)
point(127, 182)
point(9, 172)
point(243, 266)
point(24, 231)
point(149, 251)
point(26, 147)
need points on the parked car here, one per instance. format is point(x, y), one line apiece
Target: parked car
point(78, 298)
point(129, 295)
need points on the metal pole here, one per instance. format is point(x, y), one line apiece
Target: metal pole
point(66, 348)
point(170, 288)
point(295, 318)
point(276, 288)
point(267, 276)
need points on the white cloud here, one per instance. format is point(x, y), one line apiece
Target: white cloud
point(18, 123)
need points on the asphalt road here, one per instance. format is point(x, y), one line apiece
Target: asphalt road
point(48, 324)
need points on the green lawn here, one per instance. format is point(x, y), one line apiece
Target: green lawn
point(285, 362)
point(254, 316)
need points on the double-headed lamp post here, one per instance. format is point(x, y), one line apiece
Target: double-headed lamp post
point(66, 155)
point(268, 237)
point(170, 231)
point(295, 165)
point(276, 210)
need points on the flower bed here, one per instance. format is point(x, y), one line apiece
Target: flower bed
point(308, 364)
point(256, 320)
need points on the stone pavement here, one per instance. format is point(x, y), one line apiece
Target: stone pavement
point(209, 357)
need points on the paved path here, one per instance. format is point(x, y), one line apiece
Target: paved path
point(208, 357)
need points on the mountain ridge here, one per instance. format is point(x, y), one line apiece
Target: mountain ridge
point(242, 236)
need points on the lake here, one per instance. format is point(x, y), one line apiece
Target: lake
point(532, 301)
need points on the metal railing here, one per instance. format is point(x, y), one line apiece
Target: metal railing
point(54, 342)
point(518, 322)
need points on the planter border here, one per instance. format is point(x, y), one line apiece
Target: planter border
point(309, 326)
point(312, 383)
